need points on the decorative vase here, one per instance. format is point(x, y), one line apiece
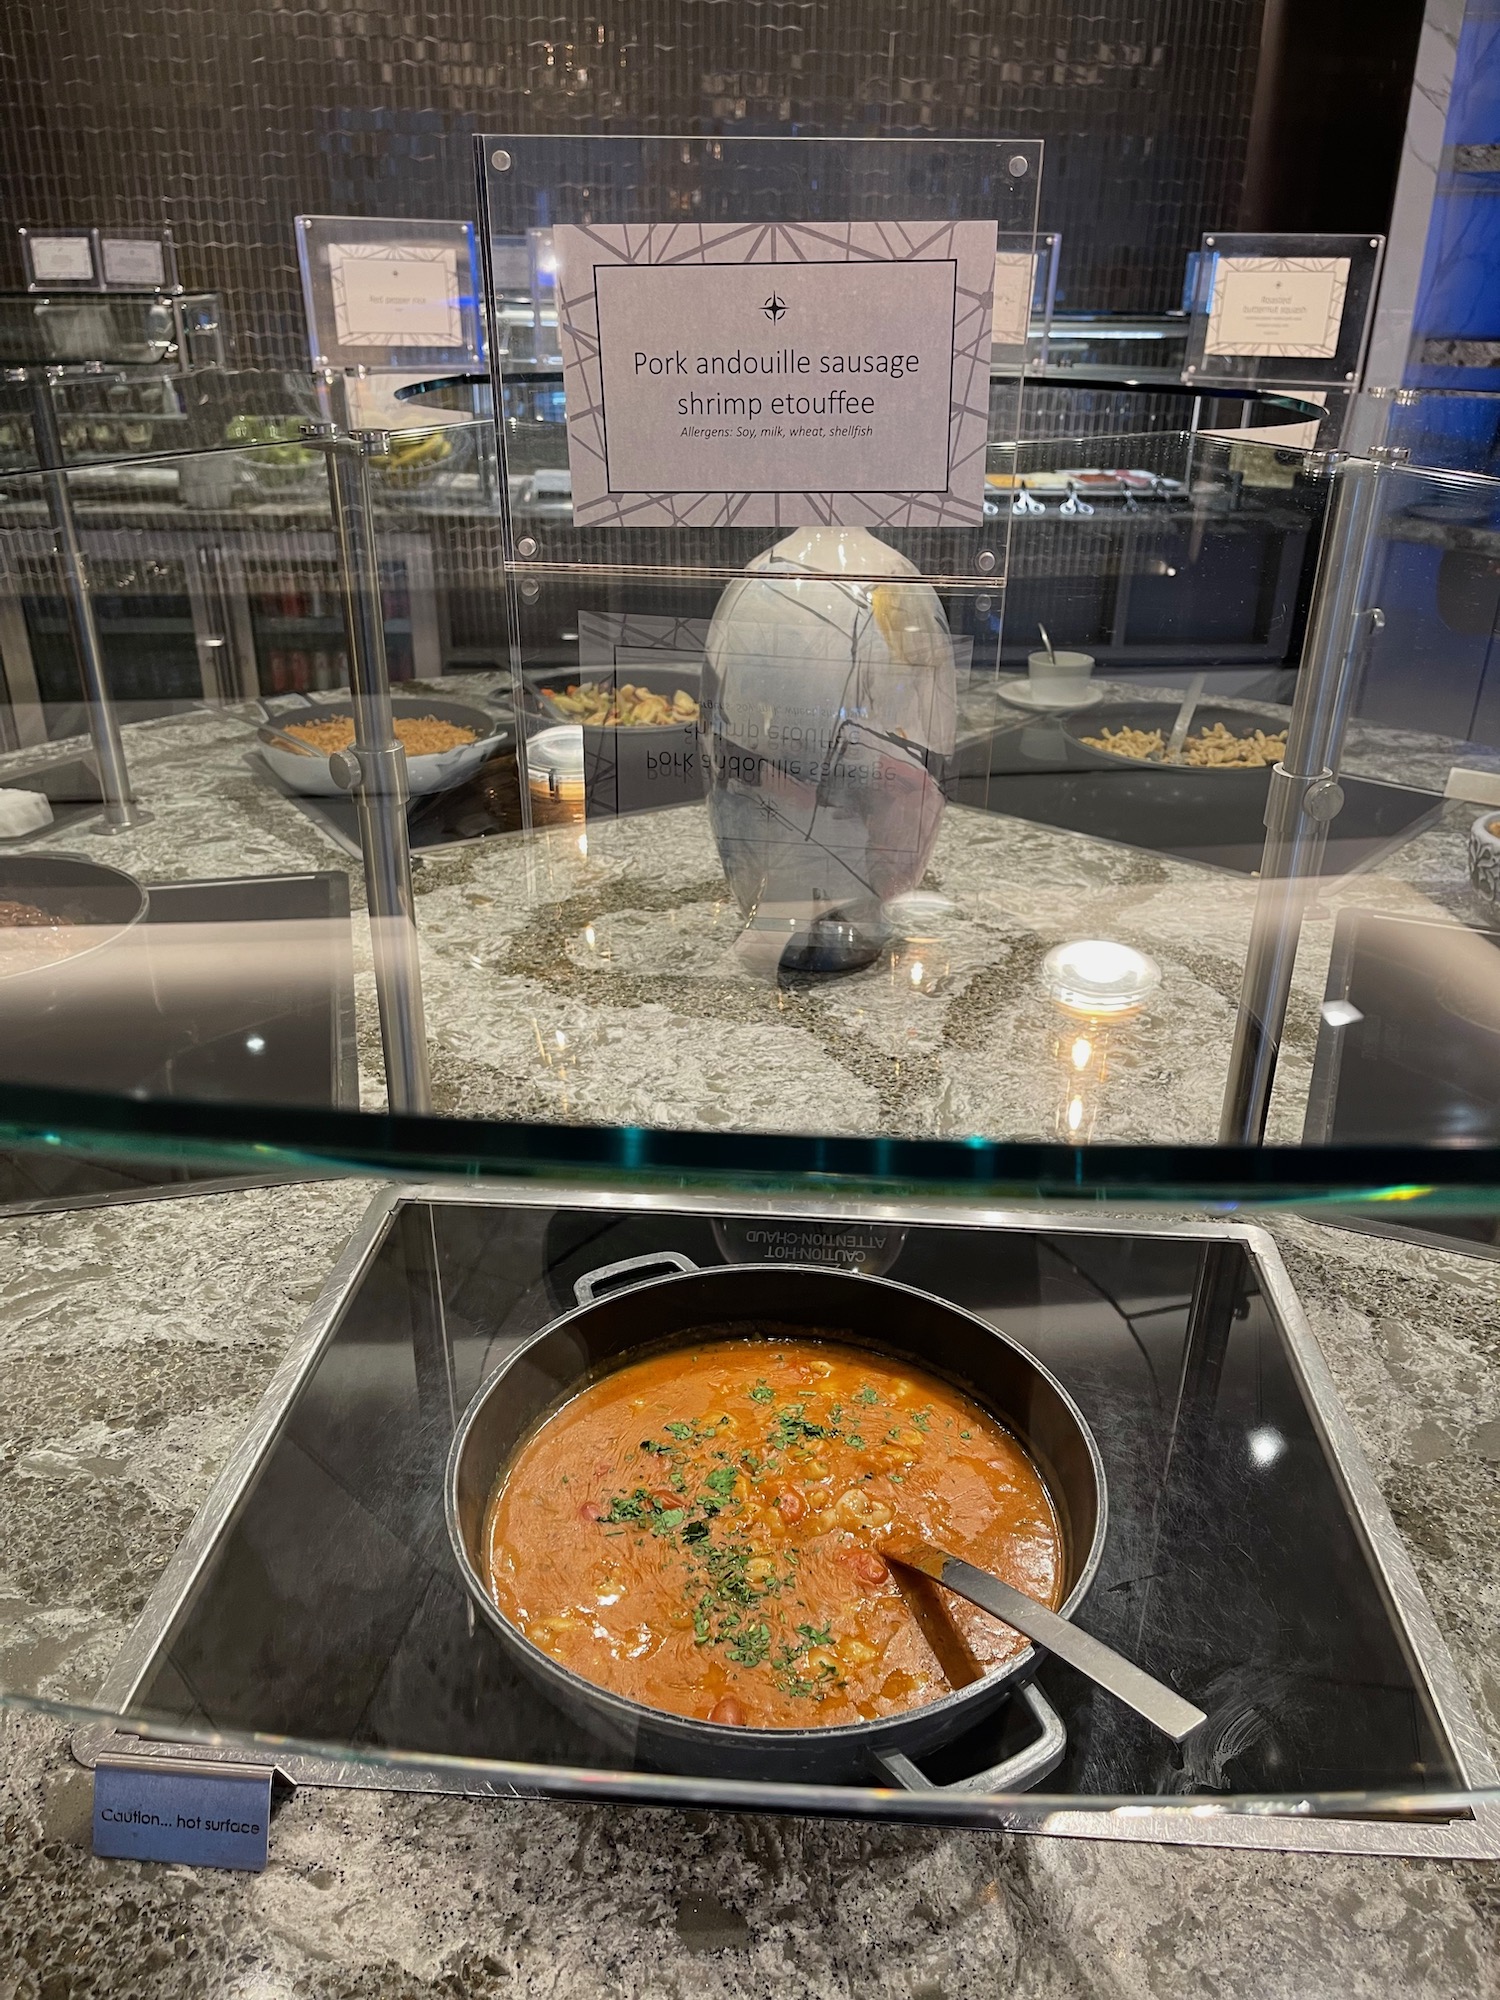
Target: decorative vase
point(828, 715)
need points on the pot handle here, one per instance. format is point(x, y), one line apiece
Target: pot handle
point(589, 1285)
point(1027, 1767)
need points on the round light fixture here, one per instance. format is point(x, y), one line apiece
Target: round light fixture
point(1100, 979)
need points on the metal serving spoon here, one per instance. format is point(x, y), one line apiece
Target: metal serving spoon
point(1192, 695)
point(1128, 1683)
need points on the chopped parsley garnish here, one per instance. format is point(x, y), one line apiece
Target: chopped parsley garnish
point(791, 1426)
point(750, 1645)
point(790, 1678)
point(741, 1598)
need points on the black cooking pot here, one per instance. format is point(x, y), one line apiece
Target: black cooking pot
point(40, 1005)
point(896, 1320)
point(101, 902)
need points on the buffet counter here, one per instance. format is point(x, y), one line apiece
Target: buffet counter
point(184, 1308)
point(589, 972)
point(592, 974)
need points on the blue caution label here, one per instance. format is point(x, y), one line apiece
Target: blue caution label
point(209, 1815)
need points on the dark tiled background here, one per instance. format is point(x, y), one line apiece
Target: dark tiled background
point(226, 121)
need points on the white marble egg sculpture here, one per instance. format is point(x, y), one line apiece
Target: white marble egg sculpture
point(828, 715)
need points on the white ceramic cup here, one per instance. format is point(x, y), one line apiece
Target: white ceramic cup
point(1059, 677)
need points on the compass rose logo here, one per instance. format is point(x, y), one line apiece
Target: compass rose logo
point(774, 307)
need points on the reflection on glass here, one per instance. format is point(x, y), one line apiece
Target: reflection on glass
point(829, 705)
point(1096, 987)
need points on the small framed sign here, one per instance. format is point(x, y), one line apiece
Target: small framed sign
point(60, 260)
point(766, 373)
point(760, 333)
point(1015, 281)
point(1025, 293)
point(1289, 309)
point(387, 294)
point(138, 263)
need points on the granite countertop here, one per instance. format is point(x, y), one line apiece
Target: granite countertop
point(598, 978)
point(602, 977)
point(135, 1341)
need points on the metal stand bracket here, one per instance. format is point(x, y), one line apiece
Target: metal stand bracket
point(375, 769)
point(120, 810)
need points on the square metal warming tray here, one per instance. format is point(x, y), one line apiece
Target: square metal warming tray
point(1250, 1557)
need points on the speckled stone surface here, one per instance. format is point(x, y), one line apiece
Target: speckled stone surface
point(604, 981)
point(605, 976)
point(133, 1343)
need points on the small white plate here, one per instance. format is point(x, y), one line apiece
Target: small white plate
point(1020, 694)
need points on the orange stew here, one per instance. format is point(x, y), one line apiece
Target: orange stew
point(698, 1531)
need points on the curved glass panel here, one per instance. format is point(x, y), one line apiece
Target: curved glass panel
point(618, 932)
point(819, 906)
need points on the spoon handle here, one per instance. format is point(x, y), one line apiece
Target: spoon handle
point(1127, 1682)
point(288, 742)
point(1190, 700)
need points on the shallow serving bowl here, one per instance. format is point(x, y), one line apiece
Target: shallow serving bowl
point(1148, 715)
point(312, 777)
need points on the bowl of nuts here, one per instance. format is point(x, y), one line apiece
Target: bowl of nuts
point(1139, 734)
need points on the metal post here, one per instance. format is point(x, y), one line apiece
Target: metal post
point(120, 809)
point(374, 769)
point(1305, 795)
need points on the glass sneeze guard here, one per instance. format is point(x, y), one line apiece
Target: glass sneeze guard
point(774, 911)
point(625, 898)
point(622, 1051)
